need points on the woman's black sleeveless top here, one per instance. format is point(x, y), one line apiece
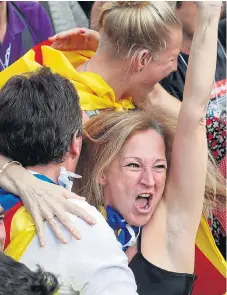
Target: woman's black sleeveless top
point(152, 280)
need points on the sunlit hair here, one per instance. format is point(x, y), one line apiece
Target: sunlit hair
point(132, 26)
point(104, 136)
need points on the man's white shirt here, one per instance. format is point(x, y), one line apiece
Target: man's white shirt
point(94, 265)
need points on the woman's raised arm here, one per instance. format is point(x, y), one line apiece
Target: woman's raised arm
point(186, 182)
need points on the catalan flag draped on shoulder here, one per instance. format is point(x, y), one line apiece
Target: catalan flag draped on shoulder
point(96, 94)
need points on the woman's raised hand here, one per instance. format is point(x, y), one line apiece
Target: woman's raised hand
point(76, 39)
point(209, 7)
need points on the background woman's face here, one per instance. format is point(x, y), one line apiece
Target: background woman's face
point(143, 82)
point(135, 180)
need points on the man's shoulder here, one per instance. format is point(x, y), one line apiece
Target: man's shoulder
point(8, 200)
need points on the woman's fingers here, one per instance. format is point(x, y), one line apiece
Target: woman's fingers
point(79, 212)
point(57, 230)
point(70, 195)
point(76, 39)
point(68, 34)
point(68, 224)
point(48, 212)
point(46, 201)
point(39, 225)
point(59, 209)
point(30, 201)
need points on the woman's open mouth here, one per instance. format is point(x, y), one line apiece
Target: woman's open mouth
point(143, 202)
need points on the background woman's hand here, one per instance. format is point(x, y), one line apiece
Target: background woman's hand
point(76, 39)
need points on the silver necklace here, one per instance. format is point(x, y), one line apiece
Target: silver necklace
point(85, 65)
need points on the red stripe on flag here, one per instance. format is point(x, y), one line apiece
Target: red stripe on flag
point(209, 280)
point(7, 221)
point(38, 51)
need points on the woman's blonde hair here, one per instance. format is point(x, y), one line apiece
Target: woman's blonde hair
point(104, 136)
point(131, 26)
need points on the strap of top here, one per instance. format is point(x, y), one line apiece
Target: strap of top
point(139, 241)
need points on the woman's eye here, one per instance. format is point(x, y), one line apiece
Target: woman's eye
point(160, 167)
point(133, 165)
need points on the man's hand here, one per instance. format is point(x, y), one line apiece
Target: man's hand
point(76, 39)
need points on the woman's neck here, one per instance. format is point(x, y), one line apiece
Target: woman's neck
point(112, 71)
point(3, 20)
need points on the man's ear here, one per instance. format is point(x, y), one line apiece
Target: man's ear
point(76, 145)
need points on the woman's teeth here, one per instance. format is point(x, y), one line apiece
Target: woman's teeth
point(144, 195)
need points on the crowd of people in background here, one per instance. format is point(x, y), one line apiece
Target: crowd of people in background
point(113, 147)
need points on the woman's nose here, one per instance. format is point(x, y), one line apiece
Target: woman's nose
point(147, 177)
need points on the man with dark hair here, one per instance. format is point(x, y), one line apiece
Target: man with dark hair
point(17, 279)
point(40, 127)
point(47, 122)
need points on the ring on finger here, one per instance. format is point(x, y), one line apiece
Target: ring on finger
point(50, 219)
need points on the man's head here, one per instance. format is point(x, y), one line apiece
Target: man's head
point(16, 278)
point(40, 120)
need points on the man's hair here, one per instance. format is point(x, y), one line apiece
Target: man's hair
point(39, 115)
point(17, 279)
